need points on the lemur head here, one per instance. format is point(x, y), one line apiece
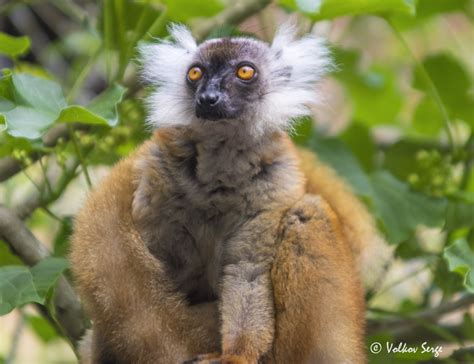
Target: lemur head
point(242, 81)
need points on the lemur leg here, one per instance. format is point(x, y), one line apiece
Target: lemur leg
point(318, 297)
point(137, 316)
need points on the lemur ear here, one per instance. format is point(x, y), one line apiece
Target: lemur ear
point(306, 60)
point(182, 35)
point(162, 60)
point(296, 65)
point(164, 64)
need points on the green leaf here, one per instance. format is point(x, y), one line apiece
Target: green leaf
point(37, 101)
point(46, 273)
point(376, 96)
point(16, 288)
point(409, 249)
point(333, 152)
point(101, 111)
point(402, 210)
point(427, 8)
point(76, 113)
point(13, 46)
point(400, 158)
point(449, 282)
point(27, 122)
point(20, 285)
point(124, 24)
point(6, 105)
point(185, 10)
point(38, 93)
point(105, 105)
point(42, 328)
point(6, 87)
point(6, 256)
point(375, 93)
point(328, 9)
point(460, 259)
point(459, 215)
point(399, 210)
point(359, 139)
point(427, 119)
point(452, 82)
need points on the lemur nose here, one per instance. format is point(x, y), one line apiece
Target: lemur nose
point(209, 98)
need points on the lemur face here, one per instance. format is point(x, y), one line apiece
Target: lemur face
point(227, 78)
point(233, 81)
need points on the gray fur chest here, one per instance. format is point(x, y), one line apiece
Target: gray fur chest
point(189, 205)
point(191, 240)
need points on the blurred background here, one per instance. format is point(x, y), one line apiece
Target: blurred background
point(396, 122)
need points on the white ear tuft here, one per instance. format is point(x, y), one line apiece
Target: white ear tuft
point(165, 64)
point(296, 66)
point(284, 35)
point(182, 35)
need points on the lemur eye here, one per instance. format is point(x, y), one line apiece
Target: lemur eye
point(195, 74)
point(245, 72)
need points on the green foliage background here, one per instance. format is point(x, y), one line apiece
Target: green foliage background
point(71, 105)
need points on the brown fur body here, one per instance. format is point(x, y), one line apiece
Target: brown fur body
point(199, 244)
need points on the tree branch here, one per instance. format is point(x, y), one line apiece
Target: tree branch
point(404, 325)
point(417, 335)
point(24, 244)
point(231, 15)
point(10, 166)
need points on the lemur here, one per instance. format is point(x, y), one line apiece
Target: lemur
point(219, 241)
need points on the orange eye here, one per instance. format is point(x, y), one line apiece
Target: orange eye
point(194, 74)
point(245, 73)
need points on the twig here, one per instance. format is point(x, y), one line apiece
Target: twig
point(58, 184)
point(78, 151)
point(24, 244)
point(419, 334)
point(381, 289)
point(45, 176)
point(10, 359)
point(405, 324)
point(232, 15)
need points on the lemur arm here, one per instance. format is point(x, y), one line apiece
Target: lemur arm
point(247, 308)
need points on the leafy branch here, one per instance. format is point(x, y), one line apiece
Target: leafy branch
point(31, 251)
